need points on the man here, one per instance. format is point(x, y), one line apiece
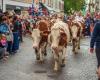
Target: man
point(79, 17)
point(95, 40)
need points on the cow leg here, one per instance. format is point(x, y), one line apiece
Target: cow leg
point(76, 49)
point(73, 42)
point(41, 55)
point(56, 60)
point(63, 58)
point(37, 54)
point(79, 44)
point(45, 53)
point(56, 65)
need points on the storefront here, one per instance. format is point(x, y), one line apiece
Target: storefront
point(12, 7)
point(12, 4)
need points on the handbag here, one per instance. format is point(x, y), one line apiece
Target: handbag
point(8, 37)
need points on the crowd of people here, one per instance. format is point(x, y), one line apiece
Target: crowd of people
point(89, 20)
point(10, 34)
point(12, 29)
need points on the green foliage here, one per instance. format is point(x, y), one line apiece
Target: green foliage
point(73, 5)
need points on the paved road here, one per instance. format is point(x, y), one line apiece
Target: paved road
point(23, 66)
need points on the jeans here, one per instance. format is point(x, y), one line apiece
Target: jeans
point(9, 47)
point(98, 56)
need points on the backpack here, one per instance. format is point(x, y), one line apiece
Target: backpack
point(3, 28)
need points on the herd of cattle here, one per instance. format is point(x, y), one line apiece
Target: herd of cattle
point(56, 34)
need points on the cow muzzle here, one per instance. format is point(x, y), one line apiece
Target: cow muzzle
point(74, 39)
point(35, 46)
point(54, 47)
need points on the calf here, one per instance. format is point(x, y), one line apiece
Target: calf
point(58, 38)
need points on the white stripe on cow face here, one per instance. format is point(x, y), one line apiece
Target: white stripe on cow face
point(36, 38)
point(55, 34)
point(74, 31)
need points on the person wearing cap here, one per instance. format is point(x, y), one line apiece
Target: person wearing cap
point(95, 41)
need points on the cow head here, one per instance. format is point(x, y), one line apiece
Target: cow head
point(75, 29)
point(39, 37)
point(36, 37)
point(56, 36)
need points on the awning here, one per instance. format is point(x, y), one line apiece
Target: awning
point(47, 7)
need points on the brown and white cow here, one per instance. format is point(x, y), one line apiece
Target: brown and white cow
point(40, 37)
point(76, 32)
point(58, 39)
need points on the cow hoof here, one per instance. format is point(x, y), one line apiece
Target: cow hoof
point(41, 62)
point(37, 58)
point(75, 52)
point(78, 47)
point(72, 50)
point(55, 70)
point(45, 54)
point(62, 65)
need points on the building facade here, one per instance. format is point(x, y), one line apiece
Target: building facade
point(13, 4)
point(57, 5)
point(92, 5)
point(98, 5)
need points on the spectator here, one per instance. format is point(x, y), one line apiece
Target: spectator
point(15, 34)
point(87, 23)
point(91, 26)
point(10, 36)
point(3, 46)
point(96, 40)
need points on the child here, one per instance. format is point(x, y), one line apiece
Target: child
point(3, 44)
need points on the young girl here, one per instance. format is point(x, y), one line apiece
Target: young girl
point(3, 44)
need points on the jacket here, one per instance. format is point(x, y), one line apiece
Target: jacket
point(95, 39)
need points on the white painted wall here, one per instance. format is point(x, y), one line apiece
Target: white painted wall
point(15, 3)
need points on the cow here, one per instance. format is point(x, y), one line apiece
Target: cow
point(58, 39)
point(40, 37)
point(76, 32)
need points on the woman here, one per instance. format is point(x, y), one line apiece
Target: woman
point(15, 34)
point(10, 36)
point(95, 41)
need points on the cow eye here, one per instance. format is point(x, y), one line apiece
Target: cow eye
point(58, 37)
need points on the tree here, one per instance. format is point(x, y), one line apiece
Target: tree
point(73, 5)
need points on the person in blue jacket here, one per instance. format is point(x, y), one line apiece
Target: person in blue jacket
point(87, 23)
point(95, 41)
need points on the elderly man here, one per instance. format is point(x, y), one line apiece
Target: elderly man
point(95, 40)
